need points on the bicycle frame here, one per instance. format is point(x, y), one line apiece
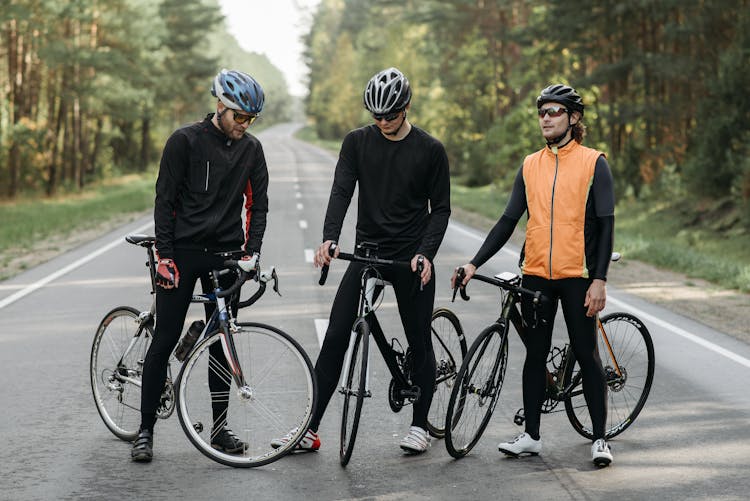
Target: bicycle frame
point(510, 311)
point(370, 288)
point(220, 317)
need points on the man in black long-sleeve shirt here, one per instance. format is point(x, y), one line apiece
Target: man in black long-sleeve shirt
point(403, 206)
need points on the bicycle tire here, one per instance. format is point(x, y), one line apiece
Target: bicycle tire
point(449, 346)
point(477, 390)
point(118, 400)
point(354, 391)
point(634, 350)
point(279, 395)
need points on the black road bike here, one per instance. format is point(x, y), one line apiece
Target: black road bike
point(625, 348)
point(447, 339)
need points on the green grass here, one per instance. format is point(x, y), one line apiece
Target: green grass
point(308, 134)
point(28, 223)
point(488, 201)
point(665, 235)
point(668, 236)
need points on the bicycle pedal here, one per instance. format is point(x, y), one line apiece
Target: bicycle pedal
point(519, 418)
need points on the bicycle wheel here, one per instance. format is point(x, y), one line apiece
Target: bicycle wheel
point(278, 395)
point(634, 351)
point(449, 345)
point(116, 366)
point(477, 389)
point(354, 391)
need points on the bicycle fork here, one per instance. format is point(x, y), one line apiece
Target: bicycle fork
point(371, 285)
point(227, 327)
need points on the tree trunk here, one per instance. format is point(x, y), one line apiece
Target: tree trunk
point(55, 112)
point(145, 143)
point(13, 106)
point(97, 145)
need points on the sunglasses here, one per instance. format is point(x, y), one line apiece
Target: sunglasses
point(241, 118)
point(553, 111)
point(390, 117)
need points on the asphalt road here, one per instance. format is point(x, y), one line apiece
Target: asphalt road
point(692, 440)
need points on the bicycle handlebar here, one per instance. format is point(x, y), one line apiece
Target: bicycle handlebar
point(512, 286)
point(248, 270)
point(364, 259)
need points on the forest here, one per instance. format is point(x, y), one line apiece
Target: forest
point(90, 89)
point(665, 82)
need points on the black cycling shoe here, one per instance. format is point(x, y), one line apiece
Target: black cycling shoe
point(143, 447)
point(225, 440)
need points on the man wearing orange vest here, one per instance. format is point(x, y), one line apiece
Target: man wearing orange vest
point(567, 190)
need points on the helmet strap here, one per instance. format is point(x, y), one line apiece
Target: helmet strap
point(556, 140)
point(219, 114)
point(399, 127)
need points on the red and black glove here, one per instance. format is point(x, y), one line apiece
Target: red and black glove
point(167, 274)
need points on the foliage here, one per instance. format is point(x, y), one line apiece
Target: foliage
point(665, 82)
point(31, 225)
point(90, 89)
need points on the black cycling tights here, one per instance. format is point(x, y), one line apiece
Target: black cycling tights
point(571, 292)
point(171, 309)
point(415, 308)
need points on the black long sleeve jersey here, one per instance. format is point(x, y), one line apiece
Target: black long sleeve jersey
point(404, 192)
point(204, 181)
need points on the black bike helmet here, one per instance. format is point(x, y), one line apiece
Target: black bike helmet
point(563, 94)
point(239, 91)
point(386, 92)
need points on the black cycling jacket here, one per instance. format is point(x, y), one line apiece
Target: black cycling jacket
point(204, 180)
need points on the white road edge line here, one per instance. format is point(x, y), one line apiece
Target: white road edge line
point(642, 314)
point(321, 326)
point(682, 332)
point(72, 266)
point(309, 255)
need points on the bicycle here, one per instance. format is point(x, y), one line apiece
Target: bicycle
point(355, 381)
point(628, 360)
point(260, 380)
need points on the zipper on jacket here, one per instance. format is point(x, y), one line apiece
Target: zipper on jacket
point(552, 209)
point(208, 170)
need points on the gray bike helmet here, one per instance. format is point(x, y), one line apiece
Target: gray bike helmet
point(239, 91)
point(563, 94)
point(386, 92)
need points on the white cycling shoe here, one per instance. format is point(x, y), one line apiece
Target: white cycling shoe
point(416, 442)
point(601, 454)
point(309, 442)
point(522, 444)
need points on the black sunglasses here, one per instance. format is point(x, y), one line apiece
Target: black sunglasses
point(553, 111)
point(241, 118)
point(390, 117)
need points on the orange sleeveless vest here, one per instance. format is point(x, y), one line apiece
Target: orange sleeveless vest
point(557, 189)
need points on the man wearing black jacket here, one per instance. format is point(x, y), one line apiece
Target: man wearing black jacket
point(403, 206)
point(209, 172)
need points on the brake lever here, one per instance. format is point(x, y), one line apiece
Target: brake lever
point(275, 278)
point(460, 274)
point(420, 269)
point(324, 269)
